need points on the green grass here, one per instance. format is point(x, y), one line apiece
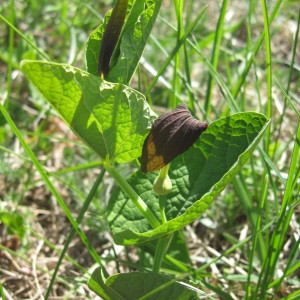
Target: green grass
point(222, 59)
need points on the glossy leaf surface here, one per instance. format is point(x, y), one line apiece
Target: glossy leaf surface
point(198, 176)
point(112, 119)
point(135, 285)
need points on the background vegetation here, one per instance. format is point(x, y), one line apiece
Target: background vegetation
point(252, 228)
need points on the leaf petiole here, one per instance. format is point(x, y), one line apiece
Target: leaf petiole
point(162, 204)
point(161, 250)
point(134, 197)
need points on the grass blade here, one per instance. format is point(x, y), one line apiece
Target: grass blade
point(49, 184)
point(84, 208)
point(269, 70)
point(215, 55)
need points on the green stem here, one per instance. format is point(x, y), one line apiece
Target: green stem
point(135, 198)
point(162, 204)
point(161, 249)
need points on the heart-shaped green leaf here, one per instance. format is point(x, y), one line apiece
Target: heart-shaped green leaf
point(198, 176)
point(135, 285)
point(112, 119)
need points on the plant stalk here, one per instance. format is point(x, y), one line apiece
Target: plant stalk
point(161, 249)
point(162, 203)
point(135, 198)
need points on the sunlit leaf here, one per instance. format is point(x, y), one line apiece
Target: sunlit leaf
point(198, 176)
point(112, 119)
point(135, 285)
